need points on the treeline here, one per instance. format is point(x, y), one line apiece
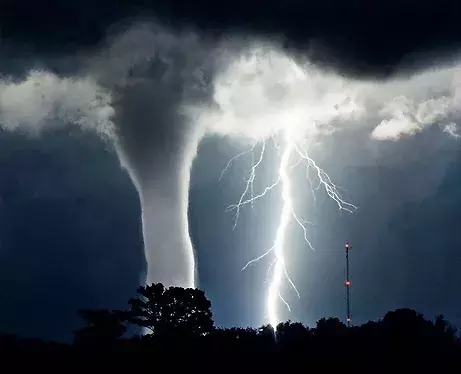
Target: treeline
point(172, 329)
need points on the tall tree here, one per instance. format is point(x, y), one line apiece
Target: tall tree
point(171, 310)
point(103, 326)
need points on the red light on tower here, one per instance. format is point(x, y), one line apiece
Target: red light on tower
point(347, 246)
point(348, 283)
point(348, 319)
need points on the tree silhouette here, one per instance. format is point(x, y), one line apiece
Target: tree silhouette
point(330, 336)
point(404, 323)
point(292, 335)
point(180, 322)
point(103, 326)
point(171, 310)
point(330, 328)
point(444, 328)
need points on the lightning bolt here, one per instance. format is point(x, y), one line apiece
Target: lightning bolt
point(289, 151)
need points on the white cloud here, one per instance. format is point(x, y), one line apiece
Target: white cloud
point(263, 91)
point(33, 103)
point(257, 92)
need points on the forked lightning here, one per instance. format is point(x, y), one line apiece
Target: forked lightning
point(291, 154)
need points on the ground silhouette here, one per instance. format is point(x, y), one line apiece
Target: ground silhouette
point(175, 331)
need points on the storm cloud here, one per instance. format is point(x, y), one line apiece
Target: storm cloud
point(244, 70)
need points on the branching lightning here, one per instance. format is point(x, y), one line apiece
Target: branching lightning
point(290, 150)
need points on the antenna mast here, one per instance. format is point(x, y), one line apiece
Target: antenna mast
point(347, 247)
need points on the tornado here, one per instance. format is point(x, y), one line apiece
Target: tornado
point(158, 146)
point(156, 78)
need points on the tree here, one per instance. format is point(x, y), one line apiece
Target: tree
point(331, 333)
point(171, 310)
point(444, 327)
point(407, 323)
point(444, 332)
point(103, 326)
point(291, 335)
point(330, 328)
point(405, 328)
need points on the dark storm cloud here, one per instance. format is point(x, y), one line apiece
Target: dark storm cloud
point(358, 36)
point(151, 72)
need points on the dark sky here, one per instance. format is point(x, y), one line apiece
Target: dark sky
point(70, 232)
point(70, 226)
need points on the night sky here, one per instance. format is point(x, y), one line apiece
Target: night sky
point(70, 227)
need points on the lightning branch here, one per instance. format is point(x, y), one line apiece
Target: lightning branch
point(292, 155)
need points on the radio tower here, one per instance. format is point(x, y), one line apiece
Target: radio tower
point(347, 247)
